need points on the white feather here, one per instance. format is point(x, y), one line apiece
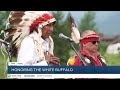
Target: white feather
point(75, 35)
point(22, 32)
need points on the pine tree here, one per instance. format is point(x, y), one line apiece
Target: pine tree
point(62, 47)
point(87, 22)
point(3, 18)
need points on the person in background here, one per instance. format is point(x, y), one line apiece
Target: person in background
point(88, 52)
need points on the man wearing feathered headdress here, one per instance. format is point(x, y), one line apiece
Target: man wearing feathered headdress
point(32, 38)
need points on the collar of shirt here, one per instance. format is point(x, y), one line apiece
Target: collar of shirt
point(95, 60)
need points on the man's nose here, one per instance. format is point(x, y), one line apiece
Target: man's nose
point(96, 43)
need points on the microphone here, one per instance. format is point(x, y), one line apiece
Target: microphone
point(61, 35)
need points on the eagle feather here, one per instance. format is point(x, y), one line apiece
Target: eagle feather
point(75, 34)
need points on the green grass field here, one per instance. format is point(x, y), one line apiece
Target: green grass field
point(112, 60)
point(2, 66)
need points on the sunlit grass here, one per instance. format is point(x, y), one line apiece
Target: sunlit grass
point(112, 60)
point(2, 66)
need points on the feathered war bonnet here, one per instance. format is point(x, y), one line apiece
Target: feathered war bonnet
point(12, 23)
point(30, 20)
point(14, 18)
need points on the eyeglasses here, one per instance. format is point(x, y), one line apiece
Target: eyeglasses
point(94, 42)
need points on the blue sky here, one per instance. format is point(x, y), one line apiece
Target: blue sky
point(108, 22)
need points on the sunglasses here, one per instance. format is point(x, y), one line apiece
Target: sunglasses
point(94, 42)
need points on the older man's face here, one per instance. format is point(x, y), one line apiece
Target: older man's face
point(47, 30)
point(91, 46)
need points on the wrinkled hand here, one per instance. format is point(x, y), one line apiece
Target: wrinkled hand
point(53, 60)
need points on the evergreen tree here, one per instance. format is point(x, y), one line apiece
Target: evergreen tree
point(62, 47)
point(3, 18)
point(87, 22)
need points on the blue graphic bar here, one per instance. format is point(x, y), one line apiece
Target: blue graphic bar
point(63, 69)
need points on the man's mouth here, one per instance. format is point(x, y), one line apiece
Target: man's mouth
point(95, 48)
point(49, 34)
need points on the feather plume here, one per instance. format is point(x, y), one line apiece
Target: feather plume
point(75, 34)
point(23, 29)
point(12, 24)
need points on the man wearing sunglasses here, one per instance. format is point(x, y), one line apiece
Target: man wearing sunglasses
point(89, 56)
